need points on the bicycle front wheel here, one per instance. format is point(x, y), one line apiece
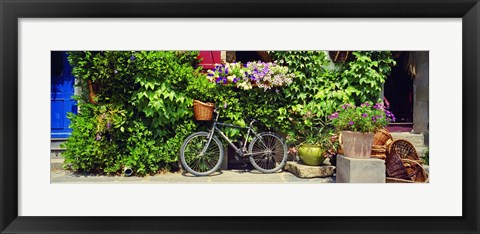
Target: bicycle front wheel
point(269, 152)
point(199, 158)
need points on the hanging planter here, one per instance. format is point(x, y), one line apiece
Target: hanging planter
point(339, 56)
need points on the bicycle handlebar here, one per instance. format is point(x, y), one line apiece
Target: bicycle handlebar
point(218, 108)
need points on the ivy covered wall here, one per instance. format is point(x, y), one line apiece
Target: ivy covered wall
point(136, 108)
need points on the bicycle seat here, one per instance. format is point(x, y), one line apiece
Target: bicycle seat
point(251, 120)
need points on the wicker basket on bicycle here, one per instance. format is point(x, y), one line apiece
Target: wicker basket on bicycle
point(202, 110)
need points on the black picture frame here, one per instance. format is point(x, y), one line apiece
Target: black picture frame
point(11, 11)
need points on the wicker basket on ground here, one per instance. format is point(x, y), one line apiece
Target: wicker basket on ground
point(382, 137)
point(381, 140)
point(404, 149)
point(400, 169)
point(379, 151)
point(203, 111)
point(413, 168)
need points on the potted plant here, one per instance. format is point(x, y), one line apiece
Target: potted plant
point(357, 125)
point(319, 142)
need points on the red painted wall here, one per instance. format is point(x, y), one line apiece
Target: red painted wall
point(209, 59)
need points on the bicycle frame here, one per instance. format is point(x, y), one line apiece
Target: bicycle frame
point(240, 151)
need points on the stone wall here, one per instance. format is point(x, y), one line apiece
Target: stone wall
point(421, 93)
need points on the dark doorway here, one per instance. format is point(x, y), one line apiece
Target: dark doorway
point(399, 90)
point(248, 56)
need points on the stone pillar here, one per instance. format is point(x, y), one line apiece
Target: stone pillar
point(355, 170)
point(421, 93)
point(223, 56)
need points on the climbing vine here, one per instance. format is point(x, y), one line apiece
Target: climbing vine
point(136, 106)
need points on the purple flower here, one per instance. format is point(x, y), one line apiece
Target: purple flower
point(351, 123)
point(277, 91)
point(226, 70)
point(365, 104)
point(132, 58)
point(334, 115)
point(210, 74)
point(390, 115)
point(364, 115)
point(108, 125)
point(378, 106)
point(98, 137)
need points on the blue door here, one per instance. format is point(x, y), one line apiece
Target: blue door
point(62, 90)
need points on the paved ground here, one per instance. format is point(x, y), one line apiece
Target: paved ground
point(230, 176)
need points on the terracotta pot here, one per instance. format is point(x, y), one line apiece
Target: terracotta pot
point(311, 154)
point(356, 144)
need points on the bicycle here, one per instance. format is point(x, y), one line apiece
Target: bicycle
point(202, 153)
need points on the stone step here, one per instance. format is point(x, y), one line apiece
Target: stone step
point(55, 147)
point(305, 171)
point(56, 164)
point(56, 152)
point(420, 150)
point(56, 142)
point(417, 140)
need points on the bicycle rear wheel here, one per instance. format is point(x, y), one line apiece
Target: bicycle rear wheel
point(196, 162)
point(269, 152)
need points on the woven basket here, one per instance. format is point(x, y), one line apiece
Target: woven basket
point(379, 151)
point(395, 168)
point(382, 137)
point(339, 56)
point(418, 173)
point(404, 149)
point(203, 111)
point(395, 180)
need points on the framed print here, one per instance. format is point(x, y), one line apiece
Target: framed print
point(130, 193)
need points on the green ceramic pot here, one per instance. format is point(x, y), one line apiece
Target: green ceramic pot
point(311, 154)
